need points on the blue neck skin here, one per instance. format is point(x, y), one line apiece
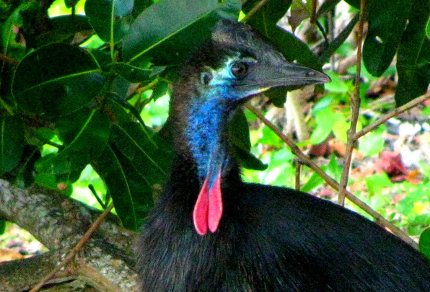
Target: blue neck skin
point(206, 133)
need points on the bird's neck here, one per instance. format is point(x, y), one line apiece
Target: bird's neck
point(207, 137)
point(200, 124)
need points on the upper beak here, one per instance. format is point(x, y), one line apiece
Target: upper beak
point(286, 75)
point(290, 74)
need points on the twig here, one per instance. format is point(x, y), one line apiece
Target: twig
point(391, 114)
point(8, 60)
point(355, 109)
point(306, 160)
point(298, 168)
point(75, 250)
point(254, 10)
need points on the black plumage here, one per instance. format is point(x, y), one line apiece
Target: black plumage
point(260, 238)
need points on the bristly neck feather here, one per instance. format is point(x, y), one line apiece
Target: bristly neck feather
point(201, 117)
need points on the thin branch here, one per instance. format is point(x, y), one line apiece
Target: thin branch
point(298, 169)
point(334, 184)
point(75, 250)
point(254, 10)
point(355, 110)
point(391, 114)
point(8, 60)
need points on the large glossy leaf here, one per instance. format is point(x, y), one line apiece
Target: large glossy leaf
point(85, 135)
point(63, 29)
point(140, 73)
point(131, 195)
point(387, 22)
point(150, 158)
point(110, 19)
point(169, 29)
point(56, 80)
point(413, 58)
point(11, 142)
point(23, 174)
point(265, 20)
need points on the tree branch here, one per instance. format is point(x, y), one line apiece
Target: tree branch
point(306, 160)
point(59, 222)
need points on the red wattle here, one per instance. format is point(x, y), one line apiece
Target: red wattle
point(208, 208)
point(215, 205)
point(200, 214)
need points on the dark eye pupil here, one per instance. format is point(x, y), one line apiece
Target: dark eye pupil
point(205, 78)
point(239, 69)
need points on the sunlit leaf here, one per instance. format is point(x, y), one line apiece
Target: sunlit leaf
point(169, 29)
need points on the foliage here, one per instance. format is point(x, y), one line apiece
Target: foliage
point(85, 85)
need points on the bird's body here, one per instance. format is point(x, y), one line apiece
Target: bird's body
point(261, 238)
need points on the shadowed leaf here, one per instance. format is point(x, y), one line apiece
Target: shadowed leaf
point(56, 88)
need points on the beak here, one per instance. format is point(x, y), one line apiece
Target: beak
point(291, 74)
point(264, 77)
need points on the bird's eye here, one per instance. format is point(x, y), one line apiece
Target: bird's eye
point(205, 78)
point(239, 69)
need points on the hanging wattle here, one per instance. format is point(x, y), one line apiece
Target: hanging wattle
point(208, 208)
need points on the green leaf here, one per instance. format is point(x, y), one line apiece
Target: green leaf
point(169, 29)
point(325, 119)
point(248, 160)
point(372, 143)
point(265, 20)
point(312, 183)
point(131, 195)
point(239, 131)
point(110, 19)
point(339, 40)
point(428, 29)
point(160, 90)
point(413, 58)
point(56, 80)
point(141, 5)
point(138, 73)
point(333, 168)
point(2, 226)
point(375, 183)
point(63, 29)
point(85, 135)
point(23, 174)
point(239, 136)
point(11, 142)
point(150, 158)
point(10, 43)
point(387, 22)
point(424, 243)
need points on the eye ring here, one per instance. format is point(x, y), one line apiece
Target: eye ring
point(239, 69)
point(205, 78)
